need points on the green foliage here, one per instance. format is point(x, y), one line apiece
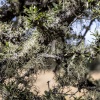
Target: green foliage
point(33, 14)
point(43, 40)
point(89, 1)
point(12, 92)
point(50, 95)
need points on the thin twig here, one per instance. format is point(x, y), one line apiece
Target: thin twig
point(87, 29)
point(49, 56)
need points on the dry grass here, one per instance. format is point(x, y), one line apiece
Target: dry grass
point(44, 77)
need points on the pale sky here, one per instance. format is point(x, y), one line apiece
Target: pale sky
point(95, 27)
point(2, 2)
point(77, 27)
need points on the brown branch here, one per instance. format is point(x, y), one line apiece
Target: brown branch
point(49, 56)
point(87, 29)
